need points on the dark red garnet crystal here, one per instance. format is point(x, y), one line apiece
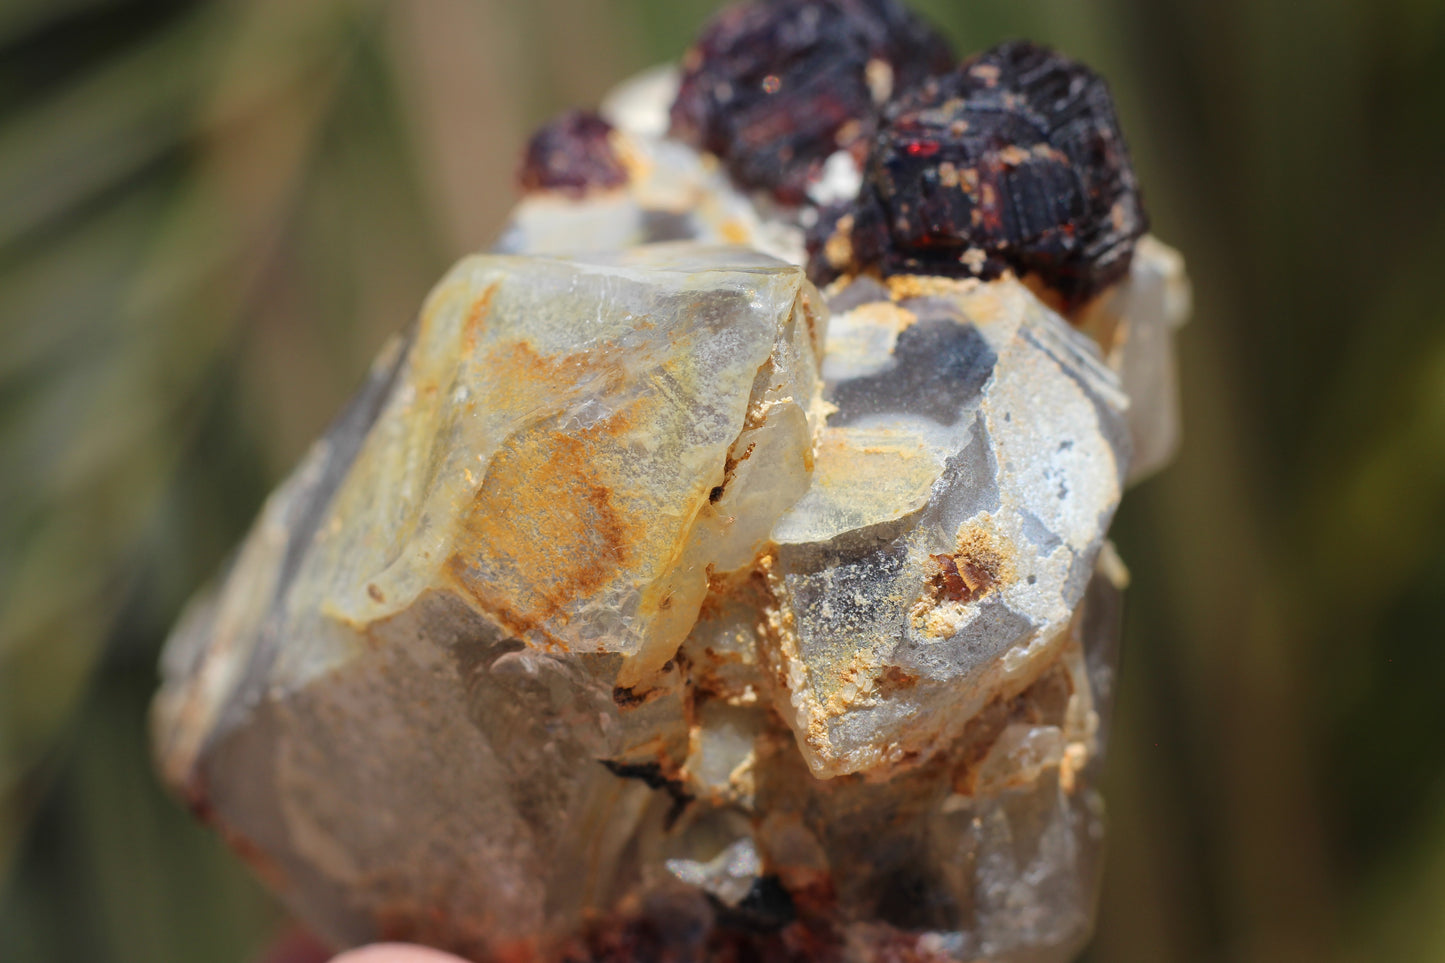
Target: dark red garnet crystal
point(773, 87)
point(1013, 161)
point(572, 154)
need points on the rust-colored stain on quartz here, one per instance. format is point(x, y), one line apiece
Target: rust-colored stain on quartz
point(476, 314)
point(545, 523)
point(980, 563)
point(547, 526)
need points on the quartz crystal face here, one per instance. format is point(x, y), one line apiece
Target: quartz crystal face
point(649, 603)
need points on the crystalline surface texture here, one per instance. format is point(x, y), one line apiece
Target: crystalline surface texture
point(644, 607)
point(636, 610)
point(397, 700)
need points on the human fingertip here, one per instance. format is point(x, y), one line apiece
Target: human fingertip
point(395, 953)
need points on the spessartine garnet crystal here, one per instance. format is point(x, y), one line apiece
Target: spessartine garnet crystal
point(651, 603)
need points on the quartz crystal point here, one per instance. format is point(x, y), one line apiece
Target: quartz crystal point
point(648, 603)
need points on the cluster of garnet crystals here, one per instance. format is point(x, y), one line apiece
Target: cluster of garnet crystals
point(1012, 160)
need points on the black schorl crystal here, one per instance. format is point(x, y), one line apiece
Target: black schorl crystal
point(774, 87)
point(572, 154)
point(1013, 161)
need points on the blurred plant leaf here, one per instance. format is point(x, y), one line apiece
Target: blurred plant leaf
point(103, 129)
point(104, 423)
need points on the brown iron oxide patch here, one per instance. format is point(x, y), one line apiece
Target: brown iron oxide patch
point(196, 794)
point(956, 578)
point(477, 314)
point(546, 527)
point(545, 524)
point(979, 564)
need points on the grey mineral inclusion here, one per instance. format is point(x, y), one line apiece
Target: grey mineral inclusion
point(651, 604)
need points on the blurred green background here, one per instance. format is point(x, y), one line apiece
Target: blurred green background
point(212, 213)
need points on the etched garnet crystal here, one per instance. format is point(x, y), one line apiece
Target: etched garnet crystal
point(573, 154)
point(1012, 162)
point(774, 87)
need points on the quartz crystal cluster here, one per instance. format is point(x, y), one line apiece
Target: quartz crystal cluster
point(649, 602)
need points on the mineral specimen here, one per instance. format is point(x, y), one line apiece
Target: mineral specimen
point(775, 88)
point(648, 603)
point(574, 155)
point(1014, 161)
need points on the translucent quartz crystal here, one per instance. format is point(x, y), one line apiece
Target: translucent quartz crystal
point(676, 193)
point(936, 459)
point(1154, 303)
point(401, 694)
point(652, 604)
